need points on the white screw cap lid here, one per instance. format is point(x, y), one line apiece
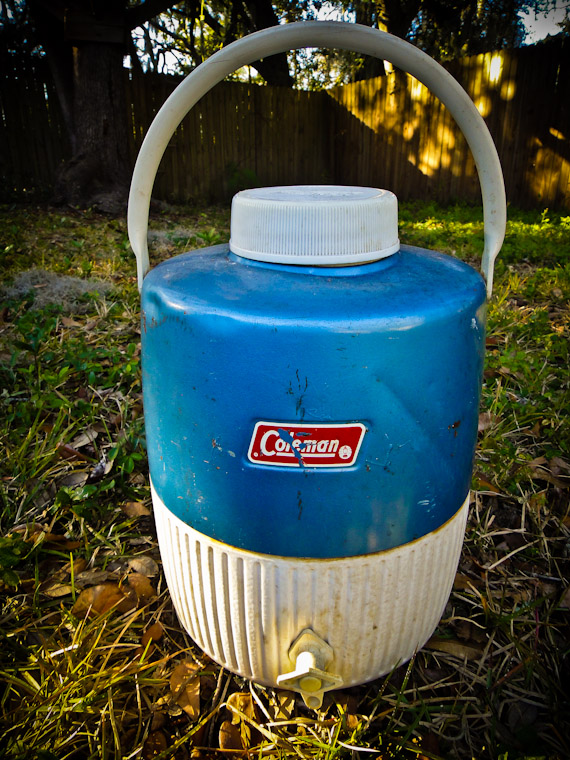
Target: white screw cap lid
point(318, 225)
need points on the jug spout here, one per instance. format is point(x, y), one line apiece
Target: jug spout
point(310, 678)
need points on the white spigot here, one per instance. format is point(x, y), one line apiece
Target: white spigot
point(311, 656)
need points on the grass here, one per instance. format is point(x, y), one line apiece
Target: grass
point(93, 661)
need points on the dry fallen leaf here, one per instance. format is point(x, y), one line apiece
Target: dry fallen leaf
point(79, 565)
point(559, 465)
point(229, 736)
point(185, 688)
point(521, 714)
point(55, 590)
point(66, 451)
point(69, 322)
point(154, 745)
point(484, 484)
point(141, 586)
point(135, 509)
point(144, 565)
point(154, 633)
point(565, 601)
point(283, 706)
point(349, 706)
point(455, 648)
point(540, 472)
point(92, 577)
point(243, 702)
point(486, 421)
point(75, 479)
point(158, 720)
point(84, 438)
point(429, 743)
point(100, 599)
point(41, 535)
point(463, 582)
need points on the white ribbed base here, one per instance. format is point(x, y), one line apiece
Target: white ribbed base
point(245, 609)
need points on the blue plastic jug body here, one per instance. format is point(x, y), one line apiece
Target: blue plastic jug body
point(393, 348)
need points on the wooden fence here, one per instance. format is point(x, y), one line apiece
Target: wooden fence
point(237, 135)
point(387, 132)
point(391, 131)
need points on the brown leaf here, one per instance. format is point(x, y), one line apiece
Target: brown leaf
point(66, 451)
point(135, 509)
point(92, 577)
point(154, 745)
point(185, 687)
point(79, 565)
point(486, 421)
point(348, 705)
point(463, 582)
point(207, 686)
point(429, 743)
point(484, 483)
point(146, 650)
point(55, 590)
point(521, 714)
point(229, 736)
point(158, 720)
point(546, 589)
point(75, 479)
point(539, 472)
point(84, 438)
point(284, 705)
point(141, 586)
point(144, 565)
point(565, 601)
point(41, 535)
point(537, 462)
point(69, 322)
point(100, 599)
point(116, 420)
point(558, 465)
point(154, 633)
point(455, 648)
point(243, 701)
point(463, 629)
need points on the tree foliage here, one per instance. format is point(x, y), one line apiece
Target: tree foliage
point(445, 29)
point(191, 31)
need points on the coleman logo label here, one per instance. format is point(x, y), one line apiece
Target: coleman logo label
point(286, 444)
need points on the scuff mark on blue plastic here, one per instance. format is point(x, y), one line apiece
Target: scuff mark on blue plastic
point(286, 436)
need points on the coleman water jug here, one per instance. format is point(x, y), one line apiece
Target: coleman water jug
point(311, 400)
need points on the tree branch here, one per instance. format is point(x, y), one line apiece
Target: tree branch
point(146, 11)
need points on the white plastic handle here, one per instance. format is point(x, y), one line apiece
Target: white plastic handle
point(339, 34)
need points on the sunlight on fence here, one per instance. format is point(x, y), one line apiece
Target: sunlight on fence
point(389, 132)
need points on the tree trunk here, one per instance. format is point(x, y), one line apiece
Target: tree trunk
point(98, 173)
point(274, 68)
point(84, 45)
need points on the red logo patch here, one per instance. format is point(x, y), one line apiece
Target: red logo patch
point(306, 445)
